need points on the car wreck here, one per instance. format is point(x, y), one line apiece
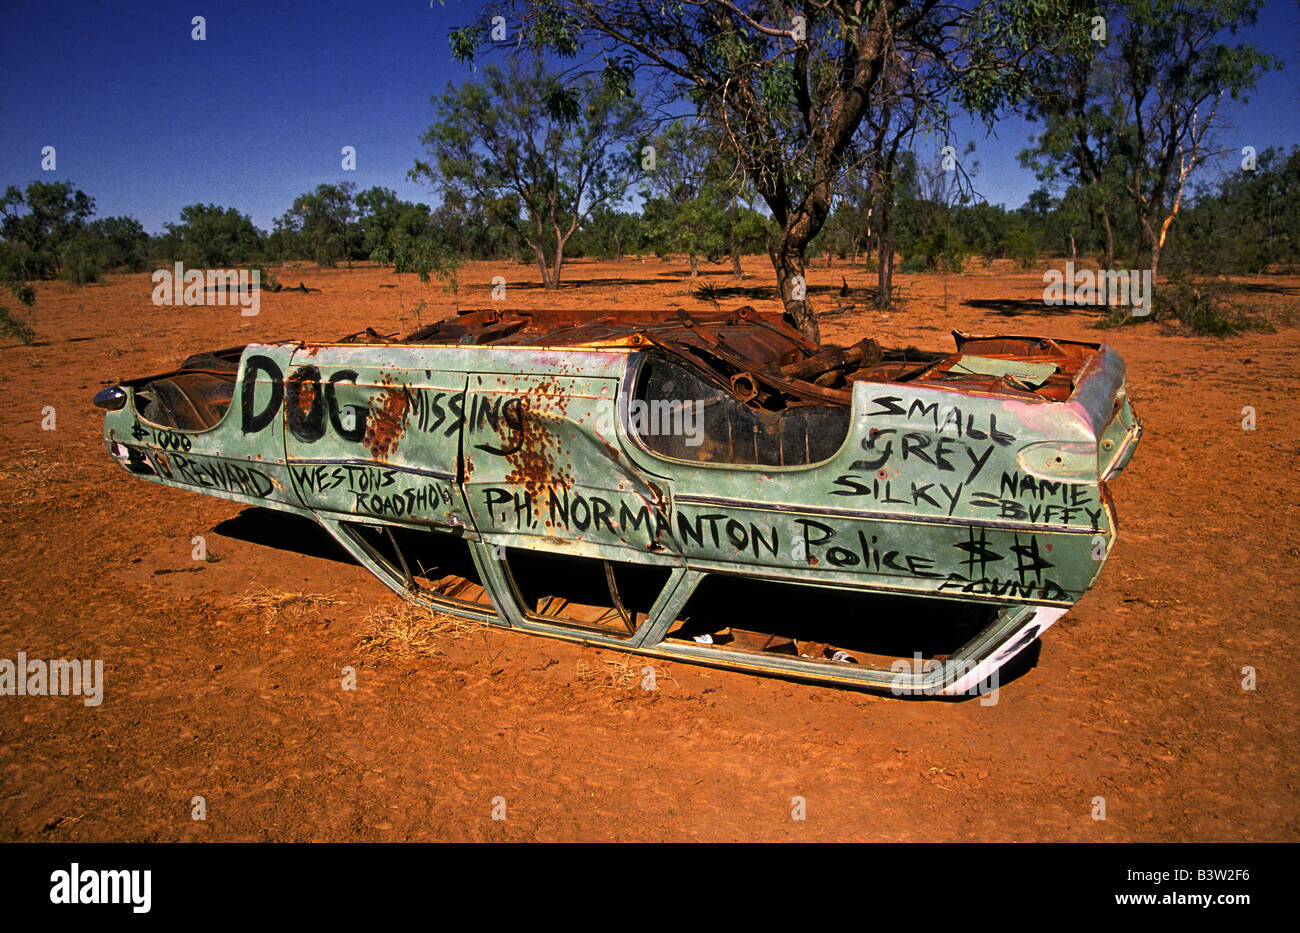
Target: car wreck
point(703, 487)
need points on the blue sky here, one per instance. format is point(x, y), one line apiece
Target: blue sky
point(147, 120)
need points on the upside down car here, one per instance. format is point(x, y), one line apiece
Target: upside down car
point(705, 487)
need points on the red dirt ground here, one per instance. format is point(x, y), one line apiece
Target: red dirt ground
point(1136, 695)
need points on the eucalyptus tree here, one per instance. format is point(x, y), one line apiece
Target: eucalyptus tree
point(1174, 65)
point(534, 150)
point(687, 197)
point(38, 223)
point(1132, 119)
point(790, 84)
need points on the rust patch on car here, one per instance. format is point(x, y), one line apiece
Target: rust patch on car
point(532, 451)
point(534, 463)
point(386, 424)
point(306, 396)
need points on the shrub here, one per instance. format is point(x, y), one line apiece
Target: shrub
point(1202, 307)
point(83, 260)
point(13, 278)
point(913, 264)
point(1020, 246)
point(1199, 307)
point(11, 326)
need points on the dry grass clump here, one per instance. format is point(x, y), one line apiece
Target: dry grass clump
point(276, 606)
point(407, 630)
point(622, 673)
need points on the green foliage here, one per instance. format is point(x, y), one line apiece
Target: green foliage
point(335, 223)
point(1198, 306)
point(609, 234)
point(1001, 37)
point(320, 224)
point(11, 326)
point(124, 243)
point(930, 200)
point(794, 100)
point(530, 151)
point(379, 214)
point(1018, 244)
point(1127, 121)
point(1251, 224)
point(17, 287)
point(83, 261)
point(1203, 307)
point(554, 29)
point(942, 249)
point(39, 224)
point(11, 277)
point(984, 228)
point(103, 245)
point(212, 237)
point(688, 212)
point(845, 233)
point(425, 254)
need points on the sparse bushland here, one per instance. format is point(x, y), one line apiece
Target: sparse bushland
point(797, 105)
point(1204, 307)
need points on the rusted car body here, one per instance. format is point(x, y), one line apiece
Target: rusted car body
point(708, 488)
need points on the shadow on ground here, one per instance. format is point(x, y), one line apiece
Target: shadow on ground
point(284, 532)
point(1016, 307)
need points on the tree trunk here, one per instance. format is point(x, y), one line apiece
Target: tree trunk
point(733, 215)
point(1156, 247)
point(695, 267)
point(1108, 240)
point(883, 213)
point(556, 265)
point(885, 257)
point(1146, 240)
point(885, 274)
point(788, 261)
point(542, 264)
